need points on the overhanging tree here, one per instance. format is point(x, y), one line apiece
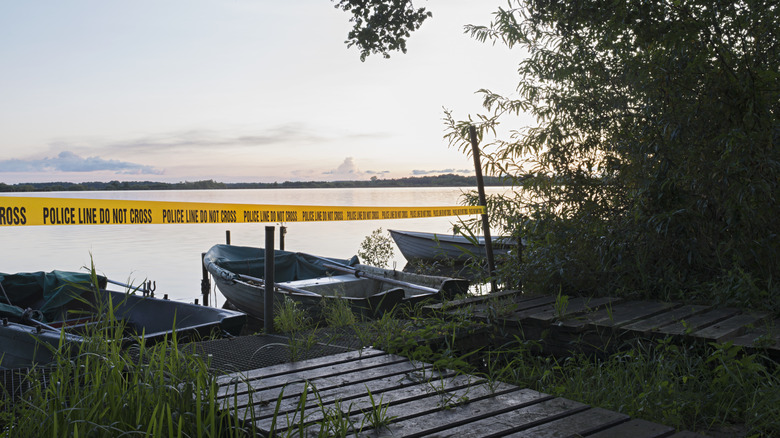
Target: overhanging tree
point(654, 168)
point(381, 26)
point(655, 165)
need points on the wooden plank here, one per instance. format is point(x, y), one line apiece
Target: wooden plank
point(622, 313)
point(518, 306)
point(485, 416)
point(373, 357)
point(576, 305)
point(689, 325)
point(732, 327)
point(452, 305)
point(399, 373)
point(766, 336)
point(367, 353)
point(579, 424)
point(341, 373)
point(527, 307)
point(687, 434)
point(635, 429)
point(413, 402)
point(356, 400)
point(630, 312)
point(498, 310)
point(648, 325)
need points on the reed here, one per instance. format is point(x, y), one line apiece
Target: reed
point(103, 388)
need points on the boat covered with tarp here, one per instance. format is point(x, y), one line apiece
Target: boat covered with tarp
point(47, 308)
point(239, 272)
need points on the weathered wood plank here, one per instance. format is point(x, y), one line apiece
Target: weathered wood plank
point(629, 312)
point(513, 305)
point(615, 315)
point(576, 306)
point(285, 368)
point(424, 397)
point(687, 434)
point(486, 416)
point(514, 295)
point(635, 428)
point(765, 336)
point(648, 325)
point(687, 326)
point(294, 386)
point(732, 327)
point(579, 424)
point(405, 404)
point(311, 369)
point(524, 308)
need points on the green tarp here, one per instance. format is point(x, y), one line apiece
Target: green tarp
point(288, 266)
point(43, 291)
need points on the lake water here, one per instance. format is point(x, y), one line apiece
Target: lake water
point(170, 255)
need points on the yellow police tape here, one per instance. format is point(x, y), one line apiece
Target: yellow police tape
point(21, 211)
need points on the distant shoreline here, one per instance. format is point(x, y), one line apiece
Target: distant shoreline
point(448, 180)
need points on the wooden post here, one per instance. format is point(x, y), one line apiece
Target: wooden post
point(268, 311)
point(483, 202)
point(282, 232)
point(205, 284)
point(227, 237)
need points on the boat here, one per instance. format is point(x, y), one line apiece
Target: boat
point(415, 245)
point(370, 291)
point(43, 308)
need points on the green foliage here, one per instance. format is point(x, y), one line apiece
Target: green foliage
point(561, 304)
point(290, 318)
point(381, 26)
point(337, 313)
point(376, 249)
point(688, 387)
point(100, 388)
point(377, 417)
point(654, 168)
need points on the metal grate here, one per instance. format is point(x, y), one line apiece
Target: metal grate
point(16, 381)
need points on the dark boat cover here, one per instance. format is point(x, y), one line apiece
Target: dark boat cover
point(43, 291)
point(288, 266)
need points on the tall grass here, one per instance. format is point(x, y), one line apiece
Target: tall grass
point(691, 387)
point(102, 388)
point(687, 386)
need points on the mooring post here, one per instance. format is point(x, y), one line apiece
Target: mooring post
point(227, 237)
point(282, 232)
point(268, 311)
point(205, 284)
point(483, 202)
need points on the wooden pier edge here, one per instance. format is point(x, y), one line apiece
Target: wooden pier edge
point(593, 324)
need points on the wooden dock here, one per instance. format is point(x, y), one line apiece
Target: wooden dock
point(598, 324)
point(371, 393)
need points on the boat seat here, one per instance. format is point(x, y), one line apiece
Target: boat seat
point(346, 285)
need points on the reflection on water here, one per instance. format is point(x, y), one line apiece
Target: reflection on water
point(170, 254)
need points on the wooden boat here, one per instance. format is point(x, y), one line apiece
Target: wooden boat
point(416, 245)
point(238, 272)
point(40, 308)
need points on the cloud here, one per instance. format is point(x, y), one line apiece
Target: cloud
point(67, 161)
point(376, 172)
point(286, 135)
point(431, 172)
point(347, 170)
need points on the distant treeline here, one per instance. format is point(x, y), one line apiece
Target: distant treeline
point(448, 180)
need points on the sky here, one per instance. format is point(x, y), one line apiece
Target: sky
point(233, 91)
